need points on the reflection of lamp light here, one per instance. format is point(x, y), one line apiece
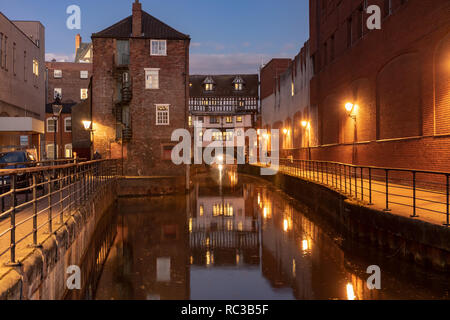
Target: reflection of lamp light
point(285, 225)
point(265, 213)
point(350, 292)
point(305, 245)
point(285, 131)
point(304, 124)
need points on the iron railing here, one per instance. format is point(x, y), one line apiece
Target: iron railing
point(40, 200)
point(419, 191)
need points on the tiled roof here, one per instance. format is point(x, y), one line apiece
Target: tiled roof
point(152, 28)
point(81, 51)
point(224, 86)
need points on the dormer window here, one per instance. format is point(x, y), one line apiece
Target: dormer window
point(209, 84)
point(238, 83)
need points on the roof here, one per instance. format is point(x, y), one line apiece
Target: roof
point(224, 85)
point(82, 50)
point(67, 107)
point(152, 28)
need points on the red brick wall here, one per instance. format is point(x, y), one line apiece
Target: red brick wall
point(398, 76)
point(144, 152)
point(269, 75)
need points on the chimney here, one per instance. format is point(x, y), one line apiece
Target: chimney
point(137, 19)
point(77, 42)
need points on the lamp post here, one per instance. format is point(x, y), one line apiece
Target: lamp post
point(57, 108)
point(88, 127)
point(307, 126)
point(351, 111)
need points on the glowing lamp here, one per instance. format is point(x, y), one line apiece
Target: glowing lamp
point(87, 124)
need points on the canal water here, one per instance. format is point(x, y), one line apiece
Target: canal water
point(236, 237)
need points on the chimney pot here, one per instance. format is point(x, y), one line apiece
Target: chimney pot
point(77, 41)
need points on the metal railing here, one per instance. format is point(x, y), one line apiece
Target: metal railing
point(30, 164)
point(420, 191)
point(40, 200)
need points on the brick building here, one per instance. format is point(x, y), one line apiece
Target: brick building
point(285, 102)
point(70, 81)
point(22, 84)
point(397, 77)
point(226, 103)
point(140, 92)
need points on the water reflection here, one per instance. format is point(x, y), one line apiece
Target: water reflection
point(234, 237)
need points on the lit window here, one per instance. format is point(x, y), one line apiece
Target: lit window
point(57, 92)
point(229, 119)
point(292, 89)
point(68, 150)
point(202, 210)
point(239, 119)
point(83, 94)
point(50, 150)
point(162, 115)
point(52, 125)
point(57, 74)
point(238, 86)
point(209, 87)
point(151, 78)
point(190, 121)
point(68, 124)
point(84, 74)
point(35, 67)
point(158, 47)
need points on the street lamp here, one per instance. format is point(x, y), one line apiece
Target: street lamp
point(351, 111)
point(88, 127)
point(57, 108)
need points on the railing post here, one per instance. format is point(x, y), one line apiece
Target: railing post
point(345, 178)
point(34, 210)
point(356, 183)
point(13, 220)
point(448, 202)
point(61, 205)
point(50, 229)
point(370, 186)
point(362, 183)
point(350, 178)
point(387, 191)
point(414, 215)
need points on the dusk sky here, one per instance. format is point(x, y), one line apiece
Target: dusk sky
point(228, 36)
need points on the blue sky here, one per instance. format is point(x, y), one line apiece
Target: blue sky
point(228, 36)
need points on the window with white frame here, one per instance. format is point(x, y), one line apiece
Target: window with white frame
point(52, 125)
point(162, 114)
point(151, 78)
point(68, 124)
point(57, 74)
point(68, 150)
point(83, 94)
point(57, 92)
point(50, 151)
point(158, 47)
point(84, 74)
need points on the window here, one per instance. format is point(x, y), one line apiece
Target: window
point(229, 119)
point(201, 210)
point(25, 66)
point(190, 121)
point(52, 125)
point(57, 74)
point(167, 152)
point(292, 89)
point(14, 58)
point(68, 124)
point(50, 150)
point(158, 48)
point(214, 120)
point(57, 92)
point(162, 114)
point(239, 119)
point(238, 86)
point(209, 87)
point(68, 150)
point(84, 74)
point(83, 94)
point(35, 67)
point(151, 78)
point(1, 50)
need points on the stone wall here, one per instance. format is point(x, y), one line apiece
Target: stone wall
point(42, 274)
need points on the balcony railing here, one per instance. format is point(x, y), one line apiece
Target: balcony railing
point(414, 193)
point(38, 201)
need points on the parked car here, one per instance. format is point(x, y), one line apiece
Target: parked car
point(16, 160)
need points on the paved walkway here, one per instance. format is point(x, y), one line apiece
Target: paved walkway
point(431, 206)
